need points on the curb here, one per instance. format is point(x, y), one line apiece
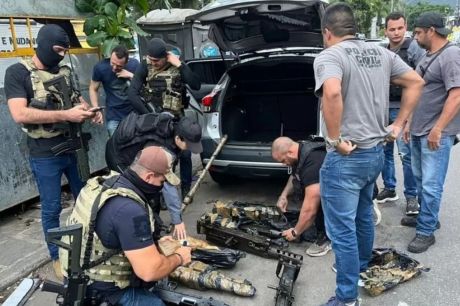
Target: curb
point(25, 271)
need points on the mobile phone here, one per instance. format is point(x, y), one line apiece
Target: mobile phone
point(96, 109)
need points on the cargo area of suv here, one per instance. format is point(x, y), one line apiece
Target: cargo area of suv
point(267, 89)
point(270, 98)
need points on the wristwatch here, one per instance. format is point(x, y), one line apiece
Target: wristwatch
point(333, 142)
point(294, 233)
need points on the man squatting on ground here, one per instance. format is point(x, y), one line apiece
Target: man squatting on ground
point(159, 85)
point(161, 130)
point(410, 52)
point(434, 124)
point(38, 110)
point(306, 159)
point(352, 79)
point(125, 222)
point(115, 74)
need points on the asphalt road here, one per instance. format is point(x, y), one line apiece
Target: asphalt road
point(316, 282)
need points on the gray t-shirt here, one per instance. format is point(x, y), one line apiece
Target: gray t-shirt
point(365, 71)
point(442, 75)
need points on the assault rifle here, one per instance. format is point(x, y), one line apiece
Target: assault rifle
point(249, 242)
point(77, 140)
point(166, 292)
point(288, 269)
point(74, 292)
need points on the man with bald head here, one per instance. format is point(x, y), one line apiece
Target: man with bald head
point(305, 158)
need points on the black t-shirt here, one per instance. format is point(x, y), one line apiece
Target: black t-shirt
point(122, 223)
point(19, 85)
point(309, 171)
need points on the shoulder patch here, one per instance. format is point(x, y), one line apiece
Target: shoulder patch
point(142, 229)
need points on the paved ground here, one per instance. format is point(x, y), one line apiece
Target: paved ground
point(21, 247)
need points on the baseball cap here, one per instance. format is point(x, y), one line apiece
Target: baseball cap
point(432, 19)
point(157, 160)
point(190, 131)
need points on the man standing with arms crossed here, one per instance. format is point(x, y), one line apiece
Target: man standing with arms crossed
point(410, 52)
point(115, 74)
point(435, 122)
point(349, 76)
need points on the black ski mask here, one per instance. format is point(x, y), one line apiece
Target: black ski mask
point(51, 35)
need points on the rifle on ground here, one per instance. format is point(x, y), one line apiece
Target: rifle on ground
point(77, 140)
point(74, 292)
point(166, 292)
point(288, 269)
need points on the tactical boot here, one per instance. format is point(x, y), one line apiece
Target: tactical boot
point(184, 191)
point(386, 195)
point(421, 243)
point(57, 270)
point(333, 301)
point(412, 222)
point(412, 207)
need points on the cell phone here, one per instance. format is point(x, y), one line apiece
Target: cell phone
point(96, 109)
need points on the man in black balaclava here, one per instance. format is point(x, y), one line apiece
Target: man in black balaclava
point(37, 110)
point(159, 85)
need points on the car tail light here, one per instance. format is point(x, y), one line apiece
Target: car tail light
point(208, 100)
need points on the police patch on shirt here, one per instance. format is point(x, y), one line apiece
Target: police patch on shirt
point(142, 229)
point(320, 70)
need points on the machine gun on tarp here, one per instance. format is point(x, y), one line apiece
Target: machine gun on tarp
point(77, 141)
point(253, 228)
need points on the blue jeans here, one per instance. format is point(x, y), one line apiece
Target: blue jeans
point(140, 297)
point(388, 172)
point(111, 126)
point(48, 173)
point(173, 202)
point(430, 169)
point(347, 184)
point(185, 159)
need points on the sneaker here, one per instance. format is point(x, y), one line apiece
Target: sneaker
point(319, 248)
point(412, 207)
point(57, 270)
point(386, 195)
point(333, 301)
point(334, 267)
point(421, 243)
point(412, 222)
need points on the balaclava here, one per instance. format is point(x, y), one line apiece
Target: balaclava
point(51, 35)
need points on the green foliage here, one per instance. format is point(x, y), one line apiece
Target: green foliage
point(365, 10)
point(413, 11)
point(112, 22)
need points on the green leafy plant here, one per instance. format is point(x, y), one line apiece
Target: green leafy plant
point(112, 22)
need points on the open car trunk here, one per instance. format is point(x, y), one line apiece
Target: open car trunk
point(269, 99)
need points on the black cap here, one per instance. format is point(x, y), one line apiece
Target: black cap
point(156, 48)
point(190, 131)
point(432, 19)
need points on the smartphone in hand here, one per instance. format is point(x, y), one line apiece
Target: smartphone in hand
point(96, 109)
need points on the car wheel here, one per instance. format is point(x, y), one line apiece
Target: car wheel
point(221, 178)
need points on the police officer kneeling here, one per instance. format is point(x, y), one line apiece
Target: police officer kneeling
point(122, 231)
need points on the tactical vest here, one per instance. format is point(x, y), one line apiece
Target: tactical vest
point(116, 268)
point(396, 91)
point(305, 147)
point(164, 88)
point(46, 99)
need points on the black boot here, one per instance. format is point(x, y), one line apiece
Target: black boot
point(184, 191)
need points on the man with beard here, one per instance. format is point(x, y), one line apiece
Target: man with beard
point(115, 74)
point(159, 85)
point(38, 110)
point(305, 158)
point(434, 124)
point(122, 231)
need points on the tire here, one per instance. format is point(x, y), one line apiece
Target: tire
point(221, 178)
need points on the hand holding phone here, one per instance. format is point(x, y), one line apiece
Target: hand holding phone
point(96, 109)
